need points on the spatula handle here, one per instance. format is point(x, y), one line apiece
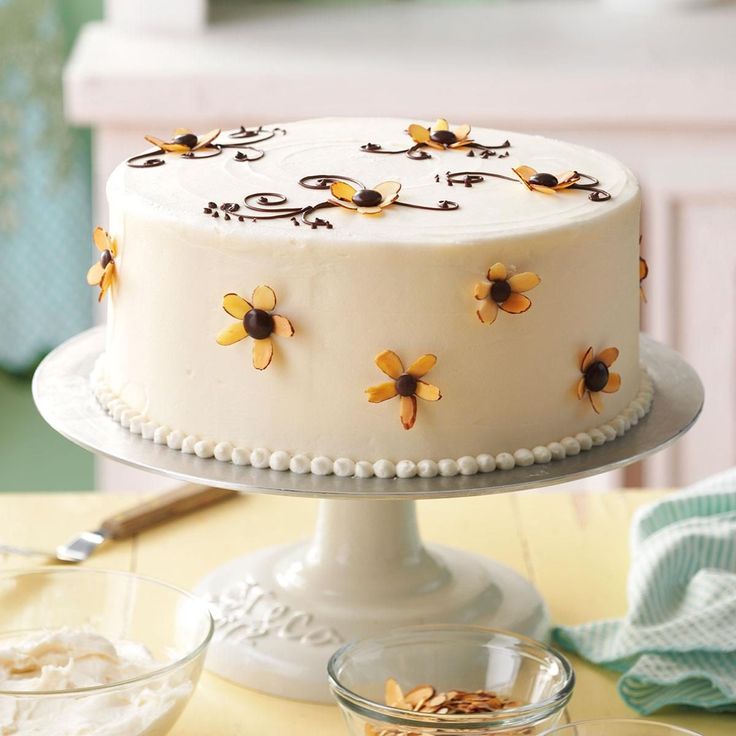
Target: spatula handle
point(165, 507)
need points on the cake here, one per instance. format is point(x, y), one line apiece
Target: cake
point(372, 297)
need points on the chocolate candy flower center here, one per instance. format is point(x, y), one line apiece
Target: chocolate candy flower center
point(544, 180)
point(258, 324)
point(187, 139)
point(596, 376)
point(500, 291)
point(105, 258)
point(367, 198)
point(406, 385)
point(445, 137)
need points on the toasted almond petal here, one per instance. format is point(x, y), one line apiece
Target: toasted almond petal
point(608, 356)
point(441, 124)
point(281, 326)
point(567, 178)
point(389, 191)
point(204, 140)
point(595, 401)
point(175, 148)
point(427, 391)
point(435, 145)
point(235, 305)
point(497, 272)
point(419, 694)
point(343, 203)
point(381, 392)
point(156, 141)
point(580, 389)
point(419, 133)
point(233, 333)
point(488, 312)
point(643, 269)
point(422, 365)
point(614, 383)
point(482, 290)
point(587, 360)
point(342, 190)
point(516, 304)
point(524, 281)
point(461, 144)
point(408, 411)
point(371, 210)
point(101, 239)
point(181, 131)
point(390, 364)
point(524, 173)
point(462, 131)
point(543, 189)
point(94, 275)
point(108, 275)
point(393, 693)
point(264, 298)
point(262, 353)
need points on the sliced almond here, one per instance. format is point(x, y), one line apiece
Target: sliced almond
point(394, 695)
point(419, 694)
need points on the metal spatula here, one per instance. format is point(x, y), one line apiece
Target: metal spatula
point(165, 507)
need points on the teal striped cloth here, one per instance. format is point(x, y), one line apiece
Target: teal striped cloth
point(677, 643)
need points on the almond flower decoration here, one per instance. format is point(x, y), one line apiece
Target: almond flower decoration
point(643, 273)
point(536, 181)
point(255, 320)
point(597, 377)
point(184, 141)
point(365, 201)
point(440, 136)
point(504, 291)
point(102, 273)
point(407, 385)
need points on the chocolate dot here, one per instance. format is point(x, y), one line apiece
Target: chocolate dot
point(544, 180)
point(445, 137)
point(596, 376)
point(406, 385)
point(187, 139)
point(105, 258)
point(258, 324)
point(367, 198)
point(500, 291)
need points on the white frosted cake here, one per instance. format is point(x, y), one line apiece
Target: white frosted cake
point(372, 296)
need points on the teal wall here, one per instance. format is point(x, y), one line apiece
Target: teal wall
point(43, 297)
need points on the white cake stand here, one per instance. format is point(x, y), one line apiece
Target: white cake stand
point(282, 611)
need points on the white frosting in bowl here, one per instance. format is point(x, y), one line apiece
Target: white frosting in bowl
point(53, 662)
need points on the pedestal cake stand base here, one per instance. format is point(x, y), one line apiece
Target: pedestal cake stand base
point(282, 611)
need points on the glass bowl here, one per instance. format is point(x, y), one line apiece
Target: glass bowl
point(61, 604)
point(619, 727)
point(450, 657)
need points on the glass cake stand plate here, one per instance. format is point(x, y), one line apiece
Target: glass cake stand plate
point(282, 611)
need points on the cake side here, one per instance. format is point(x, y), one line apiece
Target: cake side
point(410, 281)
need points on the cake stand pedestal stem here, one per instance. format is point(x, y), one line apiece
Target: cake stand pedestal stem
point(365, 548)
point(282, 611)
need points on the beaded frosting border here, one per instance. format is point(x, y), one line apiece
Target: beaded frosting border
point(281, 460)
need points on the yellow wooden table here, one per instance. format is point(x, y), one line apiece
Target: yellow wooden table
point(574, 548)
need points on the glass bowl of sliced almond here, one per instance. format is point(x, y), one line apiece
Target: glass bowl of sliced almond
point(450, 680)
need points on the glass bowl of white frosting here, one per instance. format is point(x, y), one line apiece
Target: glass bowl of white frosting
point(93, 653)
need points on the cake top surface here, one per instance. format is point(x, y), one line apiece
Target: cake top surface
point(281, 159)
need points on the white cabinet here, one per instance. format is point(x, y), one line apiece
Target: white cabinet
point(655, 91)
